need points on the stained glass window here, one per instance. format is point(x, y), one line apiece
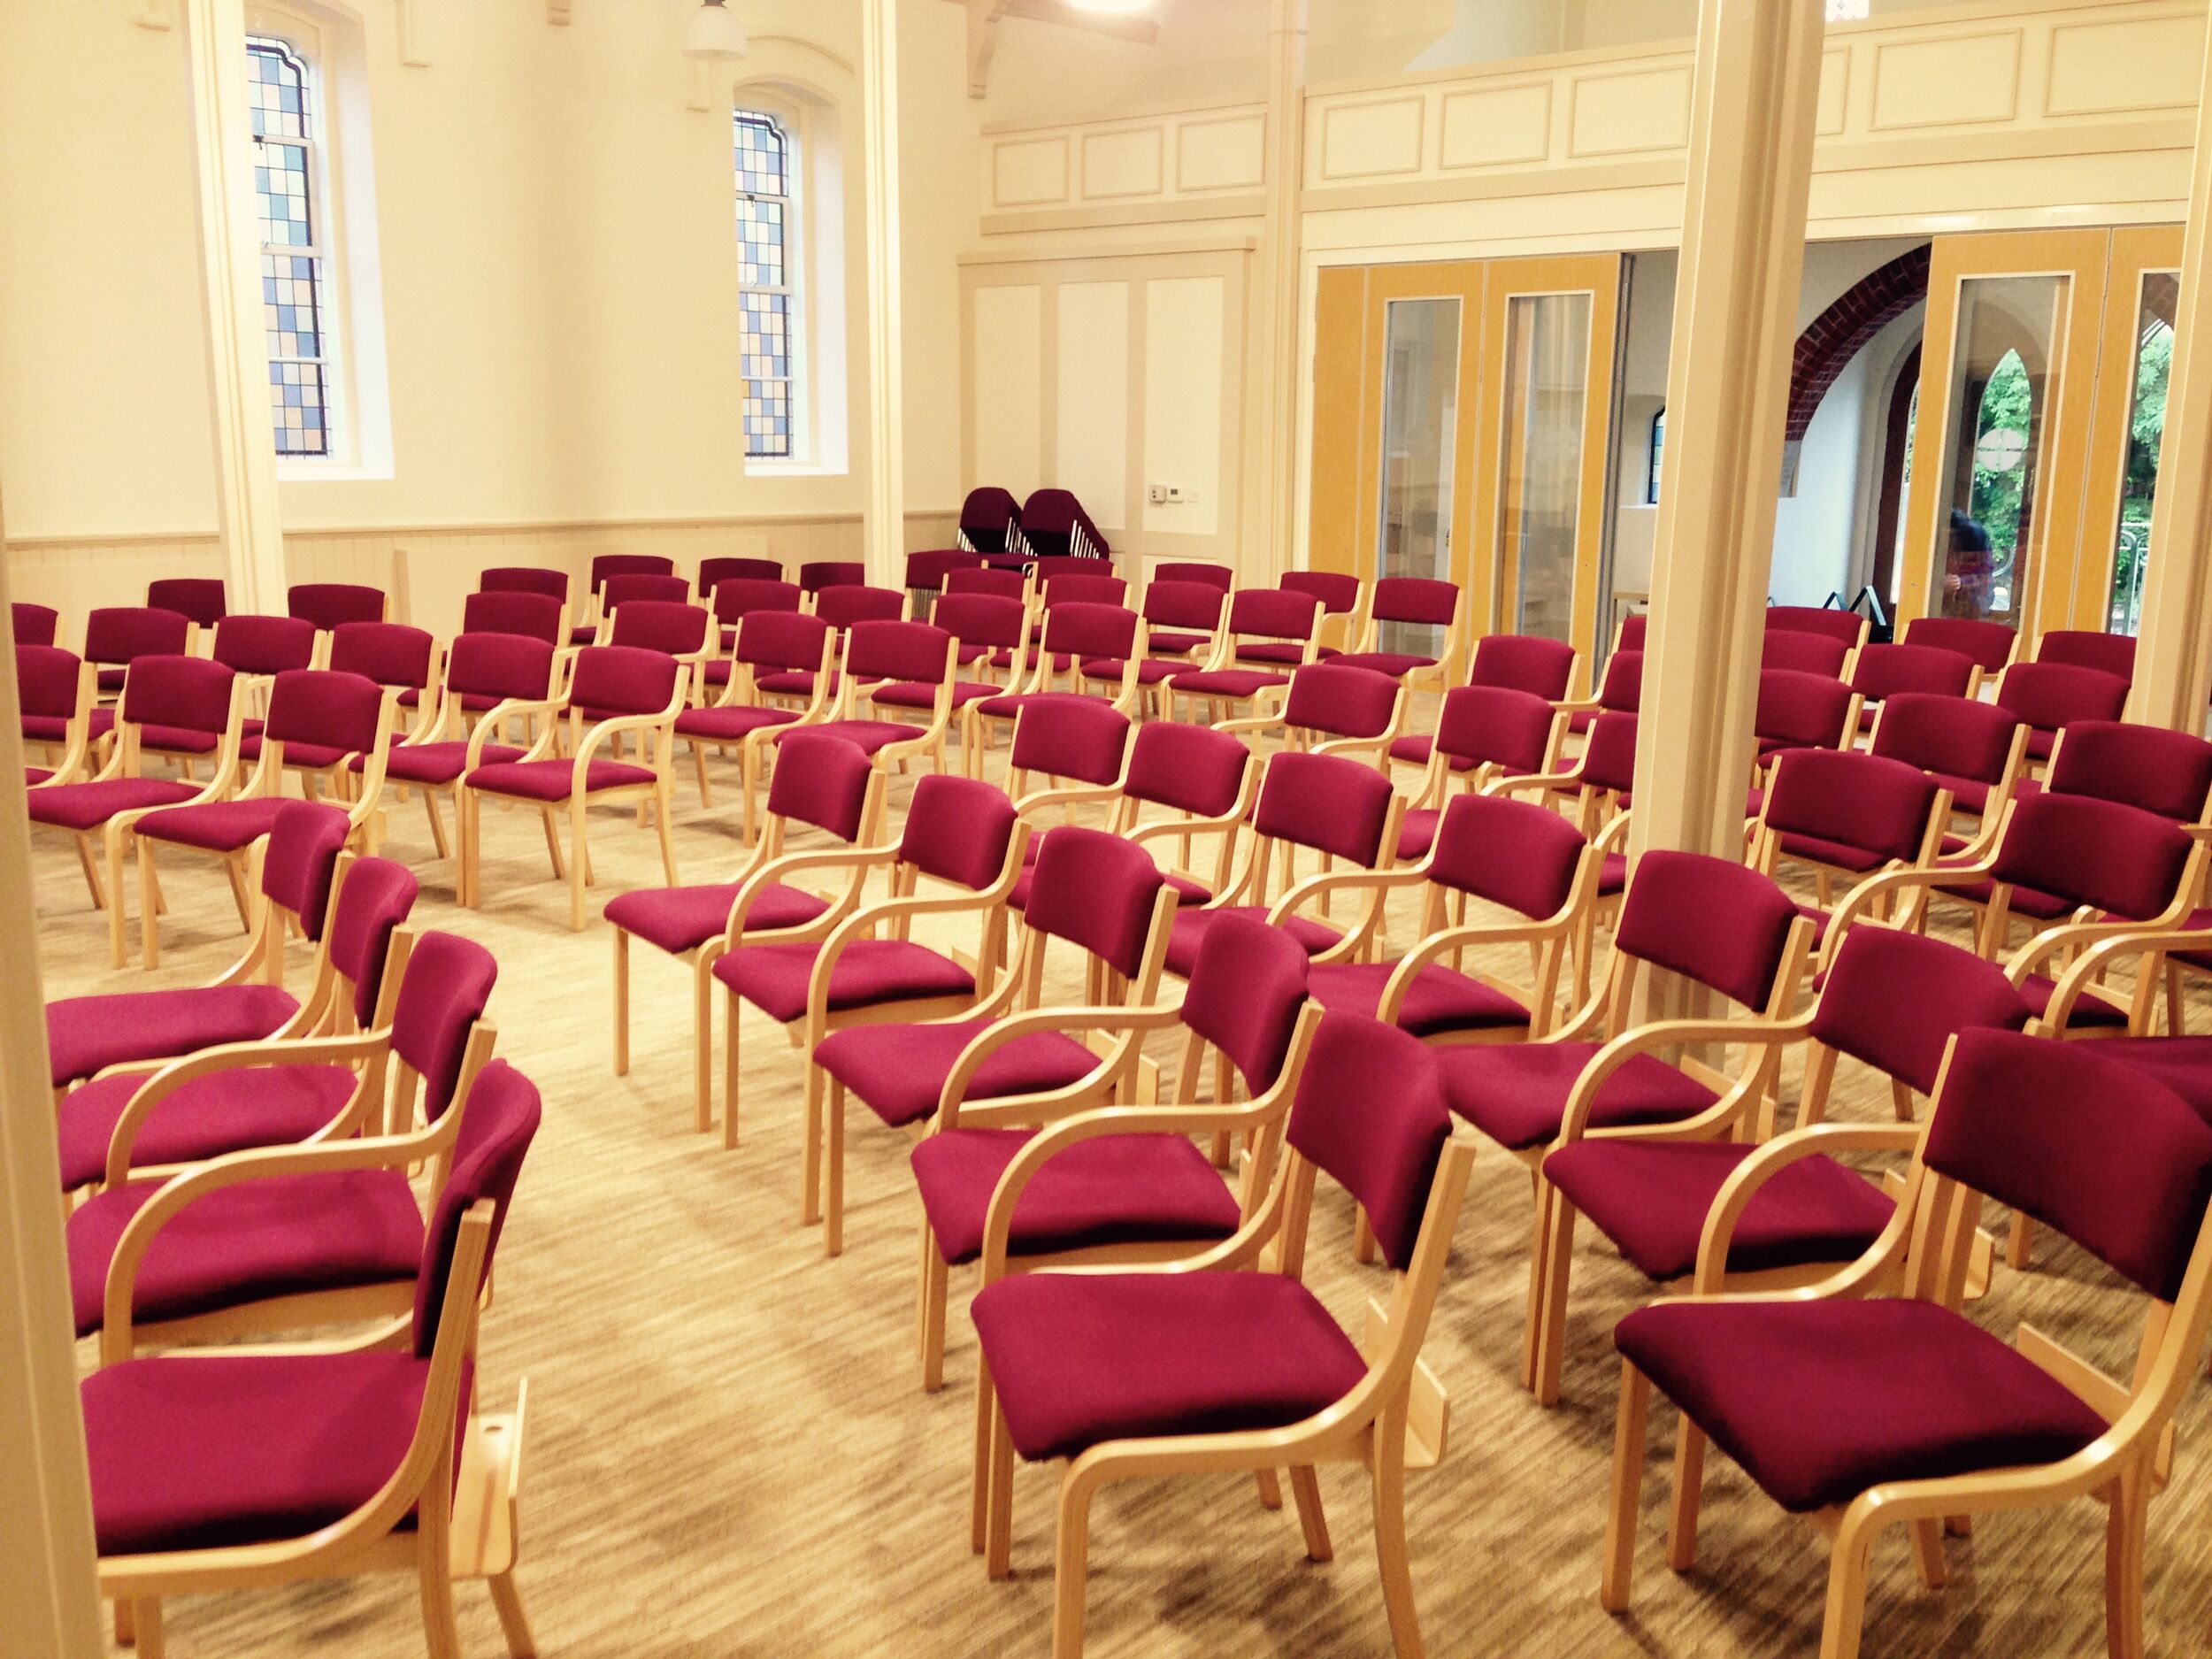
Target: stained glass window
point(768, 301)
point(292, 299)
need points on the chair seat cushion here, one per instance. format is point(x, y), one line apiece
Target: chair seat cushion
point(313, 756)
point(681, 919)
point(797, 683)
point(229, 1111)
point(1438, 1000)
point(922, 694)
point(553, 780)
point(205, 1452)
point(2183, 1064)
point(2089, 1010)
point(1170, 641)
point(869, 972)
point(1612, 874)
point(1840, 855)
point(112, 678)
point(1651, 1199)
point(1415, 751)
point(899, 1071)
point(1290, 651)
point(2029, 902)
point(440, 762)
point(219, 827)
point(1010, 704)
point(1191, 924)
point(1115, 1190)
point(1224, 682)
point(1108, 670)
point(83, 806)
point(1078, 1359)
point(2199, 921)
point(1187, 890)
point(2040, 742)
point(1417, 833)
point(1397, 665)
point(54, 728)
point(85, 1034)
point(178, 740)
point(868, 736)
point(1818, 1401)
point(728, 725)
point(34, 774)
point(1517, 1093)
point(1581, 720)
point(280, 1236)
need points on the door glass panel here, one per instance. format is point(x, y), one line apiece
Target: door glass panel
point(2153, 342)
point(1546, 377)
point(2004, 361)
point(1420, 415)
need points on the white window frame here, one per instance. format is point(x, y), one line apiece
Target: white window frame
point(321, 220)
point(797, 318)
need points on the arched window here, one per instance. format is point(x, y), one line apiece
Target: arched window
point(768, 258)
point(290, 177)
point(1658, 453)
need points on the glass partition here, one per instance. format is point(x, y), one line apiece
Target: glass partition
point(1420, 423)
point(1540, 472)
point(2153, 339)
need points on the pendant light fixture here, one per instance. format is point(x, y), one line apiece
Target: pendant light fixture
point(715, 32)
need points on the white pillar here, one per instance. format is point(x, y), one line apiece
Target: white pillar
point(1735, 313)
point(237, 340)
point(885, 513)
point(1271, 408)
point(2173, 670)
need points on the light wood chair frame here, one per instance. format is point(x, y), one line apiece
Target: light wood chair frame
point(450, 722)
point(1448, 669)
point(1438, 774)
point(1764, 853)
point(74, 763)
point(928, 742)
point(740, 691)
point(1270, 717)
point(979, 729)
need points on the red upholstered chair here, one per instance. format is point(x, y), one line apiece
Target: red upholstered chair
point(1483, 733)
point(959, 834)
point(530, 616)
point(1530, 665)
point(1842, 813)
point(820, 782)
point(1846, 626)
point(319, 721)
point(927, 568)
point(617, 688)
point(619, 577)
point(1598, 788)
point(914, 656)
point(684, 632)
point(1180, 618)
point(1343, 598)
point(330, 1058)
point(1331, 805)
point(1620, 692)
point(1269, 631)
point(1973, 748)
point(1015, 1056)
point(1806, 653)
point(989, 518)
point(1800, 711)
point(116, 635)
point(1882, 671)
point(215, 1248)
point(1076, 632)
point(1119, 1198)
point(264, 647)
point(982, 625)
point(1054, 525)
point(235, 1468)
point(326, 604)
point(33, 625)
point(1868, 1400)
point(1331, 707)
point(1427, 611)
point(1223, 1359)
point(773, 643)
point(1006, 584)
point(1201, 571)
point(737, 597)
point(57, 695)
point(818, 574)
point(174, 705)
point(2085, 648)
point(1991, 644)
point(606, 564)
point(524, 579)
point(713, 572)
point(246, 1001)
point(1725, 927)
point(2160, 771)
point(2047, 695)
point(201, 599)
point(1892, 1001)
point(843, 604)
point(409, 660)
point(1067, 751)
point(1062, 586)
point(1628, 634)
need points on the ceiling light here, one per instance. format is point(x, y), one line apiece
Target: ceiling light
point(714, 31)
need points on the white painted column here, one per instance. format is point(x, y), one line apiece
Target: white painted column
point(886, 510)
point(1271, 430)
point(1735, 312)
point(237, 340)
point(48, 1595)
point(2173, 666)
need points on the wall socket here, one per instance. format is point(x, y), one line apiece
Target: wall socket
point(1167, 495)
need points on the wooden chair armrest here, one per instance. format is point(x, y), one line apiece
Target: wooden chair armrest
point(494, 720)
point(1015, 1026)
point(1771, 1160)
point(1656, 1038)
point(235, 1056)
point(1438, 944)
point(758, 880)
point(2091, 965)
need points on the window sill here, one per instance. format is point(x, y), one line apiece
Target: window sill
point(792, 468)
point(329, 473)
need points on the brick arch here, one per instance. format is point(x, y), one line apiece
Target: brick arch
point(1836, 337)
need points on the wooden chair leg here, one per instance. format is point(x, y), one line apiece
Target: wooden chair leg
point(1362, 1236)
point(437, 823)
point(1306, 1488)
point(663, 812)
point(1628, 1485)
point(578, 866)
point(729, 1073)
point(749, 779)
point(434, 1573)
point(621, 1002)
point(148, 924)
point(2176, 1020)
point(2129, 1499)
point(119, 953)
point(979, 1477)
point(999, 1500)
point(126, 1623)
point(699, 764)
point(1389, 1470)
point(1547, 1289)
point(1846, 1619)
point(702, 1047)
point(935, 1289)
point(151, 1643)
point(1927, 1553)
point(833, 1171)
point(811, 1154)
point(1070, 1570)
point(91, 872)
point(1689, 1493)
point(2020, 1242)
point(512, 1622)
point(553, 844)
point(1270, 1488)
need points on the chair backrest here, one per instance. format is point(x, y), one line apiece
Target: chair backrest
point(714, 573)
point(1342, 700)
point(976, 618)
point(2162, 770)
point(200, 598)
point(264, 645)
point(1883, 670)
point(2086, 648)
point(1710, 920)
point(1953, 737)
point(1173, 603)
point(607, 565)
point(623, 680)
point(2087, 851)
point(1894, 999)
point(326, 604)
point(1989, 644)
point(1273, 613)
point(1519, 662)
point(841, 607)
point(1082, 738)
point(662, 624)
point(958, 830)
point(1838, 798)
point(2048, 696)
point(1608, 753)
point(1090, 588)
point(501, 666)
point(524, 579)
point(1846, 626)
point(1088, 630)
point(818, 574)
point(326, 707)
point(46, 682)
point(898, 650)
point(2091, 1147)
point(1329, 802)
point(501, 1119)
point(618, 591)
point(1186, 768)
point(1806, 652)
point(34, 624)
point(507, 611)
point(1339, 591)
point(782, 639)
point(447, 987)
point(1508, 852)
point(121, 633)
point(821, 780)
point(1053, 522)
point(986, 515)
point(389, 653)
point(373, 903)
point(1197, 571)
point(1635, 625)
point(188, 693)
point(737, 597)
point(1810, 711)
point(985, 580)
point(1246, 987)
point(1496, 725)
point(1370, 1113)
point(1097, 891)
point(1621, 690)
point(305, 838)
point(1417, 599)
